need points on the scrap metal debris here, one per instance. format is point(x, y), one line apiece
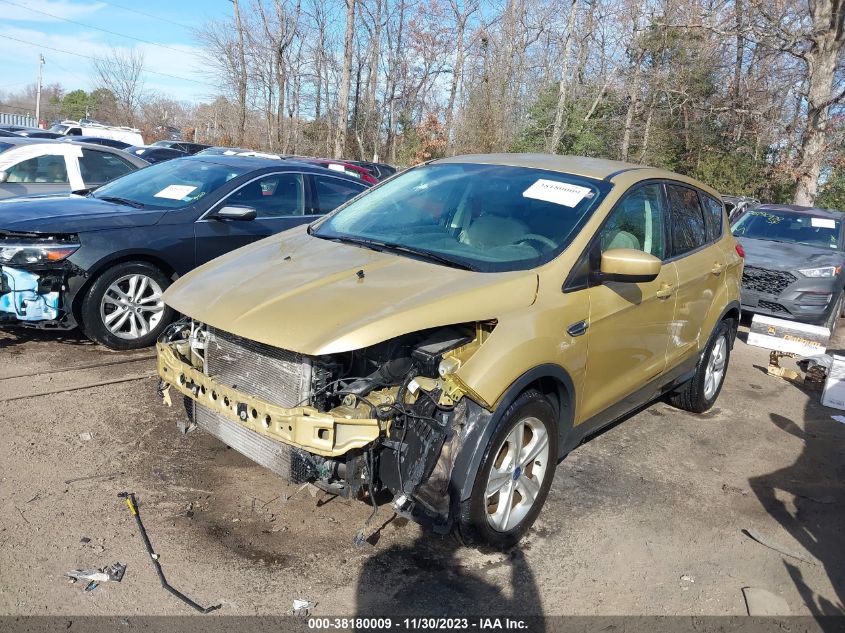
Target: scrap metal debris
point(762, 602)
point(777, 546)
point(302, 607)
point(132, 504)
point(94, 577)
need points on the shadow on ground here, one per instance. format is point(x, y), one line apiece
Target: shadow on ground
point(11, 337)
point(807, 499)
point(427, 579)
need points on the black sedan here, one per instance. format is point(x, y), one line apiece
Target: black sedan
point(155, 154)
point(102, 261)
point(794, 259)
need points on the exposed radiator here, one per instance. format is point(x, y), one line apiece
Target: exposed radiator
point(276, 375)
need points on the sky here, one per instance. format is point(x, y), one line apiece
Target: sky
point(162, 30)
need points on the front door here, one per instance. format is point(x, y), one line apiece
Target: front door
point(279, 200)
point(630, 324)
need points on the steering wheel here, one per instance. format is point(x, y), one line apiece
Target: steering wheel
point(528, 237)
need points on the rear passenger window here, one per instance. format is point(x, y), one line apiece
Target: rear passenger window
point(98, 167)
point(687, 225)
point(333, 192)
point(637, 222)
point(713, 214)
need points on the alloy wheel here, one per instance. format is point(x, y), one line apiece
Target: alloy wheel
point(132, 306)
point(517, 474)
point(716, 364)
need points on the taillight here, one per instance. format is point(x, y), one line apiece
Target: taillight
point(740, 251)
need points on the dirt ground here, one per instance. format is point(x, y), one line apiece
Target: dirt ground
point(646, 518)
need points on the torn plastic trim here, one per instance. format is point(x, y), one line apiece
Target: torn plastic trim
point(303, 427)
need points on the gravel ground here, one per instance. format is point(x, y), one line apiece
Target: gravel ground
point(646, 518)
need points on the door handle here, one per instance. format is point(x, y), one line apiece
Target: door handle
point(665, 291)
point(717, 268)
point(577, 329)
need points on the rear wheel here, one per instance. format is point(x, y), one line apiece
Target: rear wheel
point(123, 308)
point(699, 393)
point(516, 473)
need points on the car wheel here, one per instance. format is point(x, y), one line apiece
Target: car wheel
point(699, 393)
point(123, 308)
point(515, 475)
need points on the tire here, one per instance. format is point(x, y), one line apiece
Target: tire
point(534, 414)
point(835, 314)
point(140, 319)
point(698, 394)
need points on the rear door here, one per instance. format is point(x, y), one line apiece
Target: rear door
point(331, 192)
point(97, 167)
point(701, 268)
point(281, 201)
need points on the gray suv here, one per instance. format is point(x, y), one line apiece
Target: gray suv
point(793, 263)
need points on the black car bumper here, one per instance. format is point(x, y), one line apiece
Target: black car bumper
point(789, 295)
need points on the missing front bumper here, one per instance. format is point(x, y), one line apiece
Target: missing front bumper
point(302, 427)
point(29, 296)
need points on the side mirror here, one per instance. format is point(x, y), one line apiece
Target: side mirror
point(628, 265)
point(4, 176)
point(235, 212)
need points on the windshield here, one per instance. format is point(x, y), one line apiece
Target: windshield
point(171, 184)
point(786, 226)
point(59, 129)
point(483, 217)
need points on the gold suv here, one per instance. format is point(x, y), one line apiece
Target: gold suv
point(450, 335)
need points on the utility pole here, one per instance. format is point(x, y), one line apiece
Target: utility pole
point(38, 94)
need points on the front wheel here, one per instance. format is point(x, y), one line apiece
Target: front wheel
point(123, 308)
point(699, 393)
point(516, 473)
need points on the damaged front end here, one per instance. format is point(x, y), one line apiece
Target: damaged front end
point(34, 277)
point(391, 416)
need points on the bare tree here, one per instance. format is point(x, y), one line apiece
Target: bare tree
point(120, 72)
point(826, 41)
point(343, 95)
point(241, 76)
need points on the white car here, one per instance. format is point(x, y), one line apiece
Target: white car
point(38, 166)
point(128, 135)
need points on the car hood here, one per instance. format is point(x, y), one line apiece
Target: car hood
point(69, 213)
point(306, 294)
point(785, 256)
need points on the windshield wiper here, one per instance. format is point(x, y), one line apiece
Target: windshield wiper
point(380, 246)
point(434, 257)
point(126, 201)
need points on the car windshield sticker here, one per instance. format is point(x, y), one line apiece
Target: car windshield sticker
point(175, 192)
point(823, 223)
point(557, 192)
point(334, 167)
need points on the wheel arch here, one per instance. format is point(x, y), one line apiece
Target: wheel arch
point(551, 380)
point(120, 258)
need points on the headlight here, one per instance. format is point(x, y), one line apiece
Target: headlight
point(35, 252)
point(824, 271)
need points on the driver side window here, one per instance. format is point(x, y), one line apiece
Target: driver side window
point(637, 222)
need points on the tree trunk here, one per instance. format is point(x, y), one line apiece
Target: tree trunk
point(560, 110)
point(343, 96)
point(633, 102)
point(453, 90)
point(827, 40)
point(242, 78)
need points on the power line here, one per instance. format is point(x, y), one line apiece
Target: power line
point(89, 26)
point(149, 15)
point(98, 59)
